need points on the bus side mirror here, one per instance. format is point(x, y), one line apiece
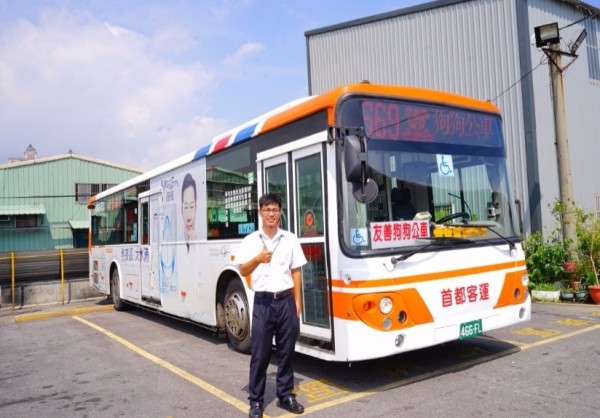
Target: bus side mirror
point(364, 189)
point(355, 159)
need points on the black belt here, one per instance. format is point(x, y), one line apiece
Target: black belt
point(277, 295)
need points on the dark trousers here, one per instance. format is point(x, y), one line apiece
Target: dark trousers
point(273, 318)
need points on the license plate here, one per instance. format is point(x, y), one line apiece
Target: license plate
point(470, 329)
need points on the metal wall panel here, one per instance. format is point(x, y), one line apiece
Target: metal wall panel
point(469, 48)
point(481, 49)
point(50, 182)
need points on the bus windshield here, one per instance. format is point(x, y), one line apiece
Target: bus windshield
point(440, 171)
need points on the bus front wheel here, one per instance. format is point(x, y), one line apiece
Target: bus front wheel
point(237, 316)
point(115, 291)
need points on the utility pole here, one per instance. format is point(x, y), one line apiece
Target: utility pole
point(547, 37)
point(562, 149)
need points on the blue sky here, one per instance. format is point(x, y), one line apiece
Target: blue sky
point(141, 82)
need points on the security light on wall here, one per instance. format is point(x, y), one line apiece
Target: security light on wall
point(574, 46)
point(546, 35)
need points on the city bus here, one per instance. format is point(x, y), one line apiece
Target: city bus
point(401, 200)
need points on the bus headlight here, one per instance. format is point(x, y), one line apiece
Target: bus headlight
point(525, 279)
point(385, 305)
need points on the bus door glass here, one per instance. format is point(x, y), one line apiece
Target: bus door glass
point(310, 221)
point(150, 240)
point(276, 181)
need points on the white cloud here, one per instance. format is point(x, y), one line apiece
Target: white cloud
point(116, 30)
point(179, 139)
point(246, 50)
point(101, 90)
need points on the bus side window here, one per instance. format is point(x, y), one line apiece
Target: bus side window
point(131, 225)
point(231, 190)
point(145, 234)
point(145, 223)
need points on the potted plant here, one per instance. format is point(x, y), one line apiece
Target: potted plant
point(588, 249)
point(580, 295)
point(567, 294)
point(545, 292)
point(594, 289)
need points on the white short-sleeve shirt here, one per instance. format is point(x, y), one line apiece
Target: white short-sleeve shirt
point(286, 252)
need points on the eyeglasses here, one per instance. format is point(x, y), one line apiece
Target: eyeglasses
point(270, 211)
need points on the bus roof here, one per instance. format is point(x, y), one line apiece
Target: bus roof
point(298, 109)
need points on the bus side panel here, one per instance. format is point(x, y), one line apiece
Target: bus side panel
point(99, 271)
point(186, 263)
point(128, 256)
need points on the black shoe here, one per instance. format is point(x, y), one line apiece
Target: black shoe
point(256, 410)
point(291, 404)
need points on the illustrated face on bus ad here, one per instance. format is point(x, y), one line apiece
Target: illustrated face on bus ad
point(188, 207)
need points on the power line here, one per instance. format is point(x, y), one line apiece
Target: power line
point(580, 20)
point(519, 80)
point(543, 61)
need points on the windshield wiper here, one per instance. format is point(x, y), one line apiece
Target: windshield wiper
point(447, 240)
point(435, 241)
point(511, 244)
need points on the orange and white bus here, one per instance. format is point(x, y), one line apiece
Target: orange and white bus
point(401, 200)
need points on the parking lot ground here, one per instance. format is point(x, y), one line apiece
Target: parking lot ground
point(197, 362)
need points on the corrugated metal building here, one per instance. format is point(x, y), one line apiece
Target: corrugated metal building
point(483, 49)
point(43, 202)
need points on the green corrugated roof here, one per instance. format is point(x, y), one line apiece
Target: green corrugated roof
point(79, 224)
point(22, 210)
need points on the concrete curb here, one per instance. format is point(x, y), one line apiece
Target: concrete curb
point(47, 292)
point(62, 312)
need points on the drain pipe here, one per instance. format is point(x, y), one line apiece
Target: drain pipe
point(62, 276)
point(12, 277)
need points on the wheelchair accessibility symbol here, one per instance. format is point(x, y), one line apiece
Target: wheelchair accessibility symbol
point(445, 165)
point(359, 237)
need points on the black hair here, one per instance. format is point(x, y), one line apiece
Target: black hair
point(269, 198)
point(188, 181)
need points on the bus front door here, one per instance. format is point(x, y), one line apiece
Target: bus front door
point(298, 178)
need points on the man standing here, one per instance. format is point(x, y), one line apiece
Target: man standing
point(273, 258)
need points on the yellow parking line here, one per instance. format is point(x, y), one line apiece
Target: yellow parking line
point(242, 406)
point(66, 312)
point(559, 337)
point(445, 370)
point(404, 382)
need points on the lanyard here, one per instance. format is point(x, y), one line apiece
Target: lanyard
point(276, 245)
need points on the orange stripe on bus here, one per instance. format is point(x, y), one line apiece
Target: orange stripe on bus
point(361, 284)
point(409, 308)
point(328, 101)
point(513, 292)
point(302, 110)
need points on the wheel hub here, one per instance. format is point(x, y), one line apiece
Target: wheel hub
point(236, 316)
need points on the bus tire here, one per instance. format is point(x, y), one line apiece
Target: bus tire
point(115, 291)
point(237, 316)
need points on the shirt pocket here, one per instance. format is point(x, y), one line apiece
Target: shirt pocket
point(285, 261)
